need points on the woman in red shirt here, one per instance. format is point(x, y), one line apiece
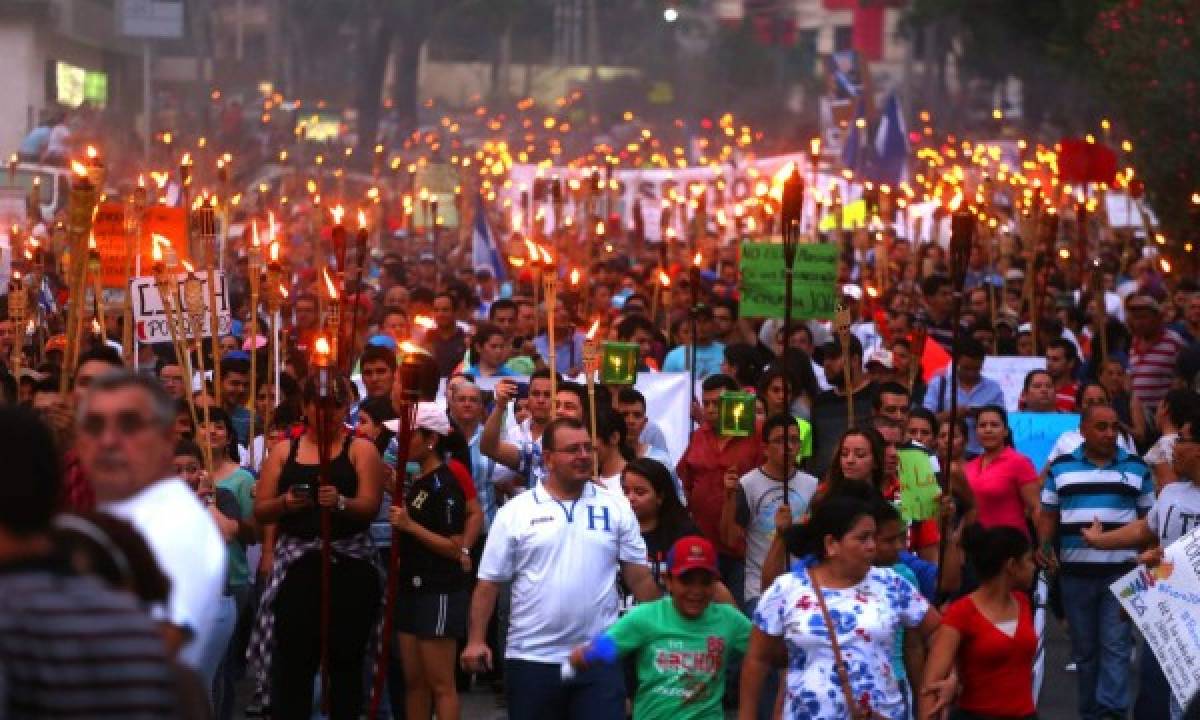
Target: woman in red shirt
point(1004, 481)
point(989, 635)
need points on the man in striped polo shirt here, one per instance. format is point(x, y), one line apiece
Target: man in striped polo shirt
point(1098, 481)
point(1155, 349)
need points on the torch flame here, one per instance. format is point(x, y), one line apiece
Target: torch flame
point(329, 286)
point(547, 258)
point(516, 261)
point(425, 322)
point(574, 276)
point(337, 212)
point(155, 250)
point(275, 251)
point(254, 234)
point(321, 347)
point(409, 348)
point(188, 266)
point(1165, 264)
point(600, 228)
point(141, 181)
point(79, 168)
point(664, 279)
point(532, 249)
point(92, 241)
point(92, 153)
point(591, 333)
point(187, 160)
point(362, 219)
point(956, 201)
point(95, 326)
point(283, 293)
point(698, 260)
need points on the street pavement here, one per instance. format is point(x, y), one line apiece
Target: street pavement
point(1057, 701)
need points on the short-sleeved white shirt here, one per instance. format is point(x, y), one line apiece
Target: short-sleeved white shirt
point(562, 560)
point(188, 548)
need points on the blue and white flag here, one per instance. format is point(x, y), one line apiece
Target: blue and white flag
point(891, 145)
point(484, 252)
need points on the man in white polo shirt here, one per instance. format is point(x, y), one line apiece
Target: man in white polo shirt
point(560, 545)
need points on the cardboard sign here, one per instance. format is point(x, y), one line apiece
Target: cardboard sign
point(1034, 433)
point(150, 320)
point(814, 283)
point(1164, 602)
point(919, 489)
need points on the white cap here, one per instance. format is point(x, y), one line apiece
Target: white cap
point(853, 291)
point(430, 416)
point(882, 357)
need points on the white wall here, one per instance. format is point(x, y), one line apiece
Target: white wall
point(22, 83)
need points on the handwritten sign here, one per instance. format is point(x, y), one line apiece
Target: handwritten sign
point(150, 319)
point(1009, 372)
point(1034, 433)
point(1164, 602)
point(814, 283)
point(919, 489)
point(112, 243)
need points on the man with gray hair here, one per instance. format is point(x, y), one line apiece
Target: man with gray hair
point(126, 445)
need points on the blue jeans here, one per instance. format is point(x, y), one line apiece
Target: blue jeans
point(536, 691)
point(1101, 641)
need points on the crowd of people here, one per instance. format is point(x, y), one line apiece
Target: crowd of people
point(166, 551)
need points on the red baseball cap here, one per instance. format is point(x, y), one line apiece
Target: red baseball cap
point(692, 553)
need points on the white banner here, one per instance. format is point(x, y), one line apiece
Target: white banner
point(1164, 602)
point(1010, 371)
point(666, 405)
point(150, 320)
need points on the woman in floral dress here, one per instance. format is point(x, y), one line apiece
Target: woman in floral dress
point(866, 605)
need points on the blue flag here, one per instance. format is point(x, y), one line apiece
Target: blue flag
point(891, 145)
point(484, 252)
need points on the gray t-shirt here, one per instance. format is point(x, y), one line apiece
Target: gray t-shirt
point(1176, 512)
point(758, 497)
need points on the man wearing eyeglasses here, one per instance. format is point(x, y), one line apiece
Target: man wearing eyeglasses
point(124, 436)
point(560, 545)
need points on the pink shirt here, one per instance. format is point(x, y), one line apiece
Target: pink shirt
point(997, 488)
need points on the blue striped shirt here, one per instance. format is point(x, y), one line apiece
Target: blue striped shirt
point(1080, 492)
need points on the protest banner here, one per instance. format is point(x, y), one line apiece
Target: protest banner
point(919, 489)
point(150, 320)
point(1164, 603)
point(112, 244)
point(1034, 433)
point(1010, 371)
point(814, 288)
point(666, 405)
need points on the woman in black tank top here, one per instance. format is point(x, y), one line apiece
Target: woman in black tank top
point(291, 496)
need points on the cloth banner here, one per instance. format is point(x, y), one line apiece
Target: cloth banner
point(1164, 603)
point(666, 405)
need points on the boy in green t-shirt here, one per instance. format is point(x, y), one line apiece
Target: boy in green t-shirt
point(682, 643)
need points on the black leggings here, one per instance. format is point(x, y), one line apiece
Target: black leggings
point(354, 607)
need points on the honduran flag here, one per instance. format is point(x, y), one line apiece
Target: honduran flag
point(484, 252)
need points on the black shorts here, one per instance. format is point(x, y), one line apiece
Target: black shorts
point(432, 615)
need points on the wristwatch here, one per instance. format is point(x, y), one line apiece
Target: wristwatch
point(466, 551)
point(341, 503)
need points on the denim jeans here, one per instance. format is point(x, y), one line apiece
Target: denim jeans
point(536, 691)
point(1101, 641)
point(215, 644)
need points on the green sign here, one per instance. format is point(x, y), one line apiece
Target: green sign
point(814, 281)
point(919, 490)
